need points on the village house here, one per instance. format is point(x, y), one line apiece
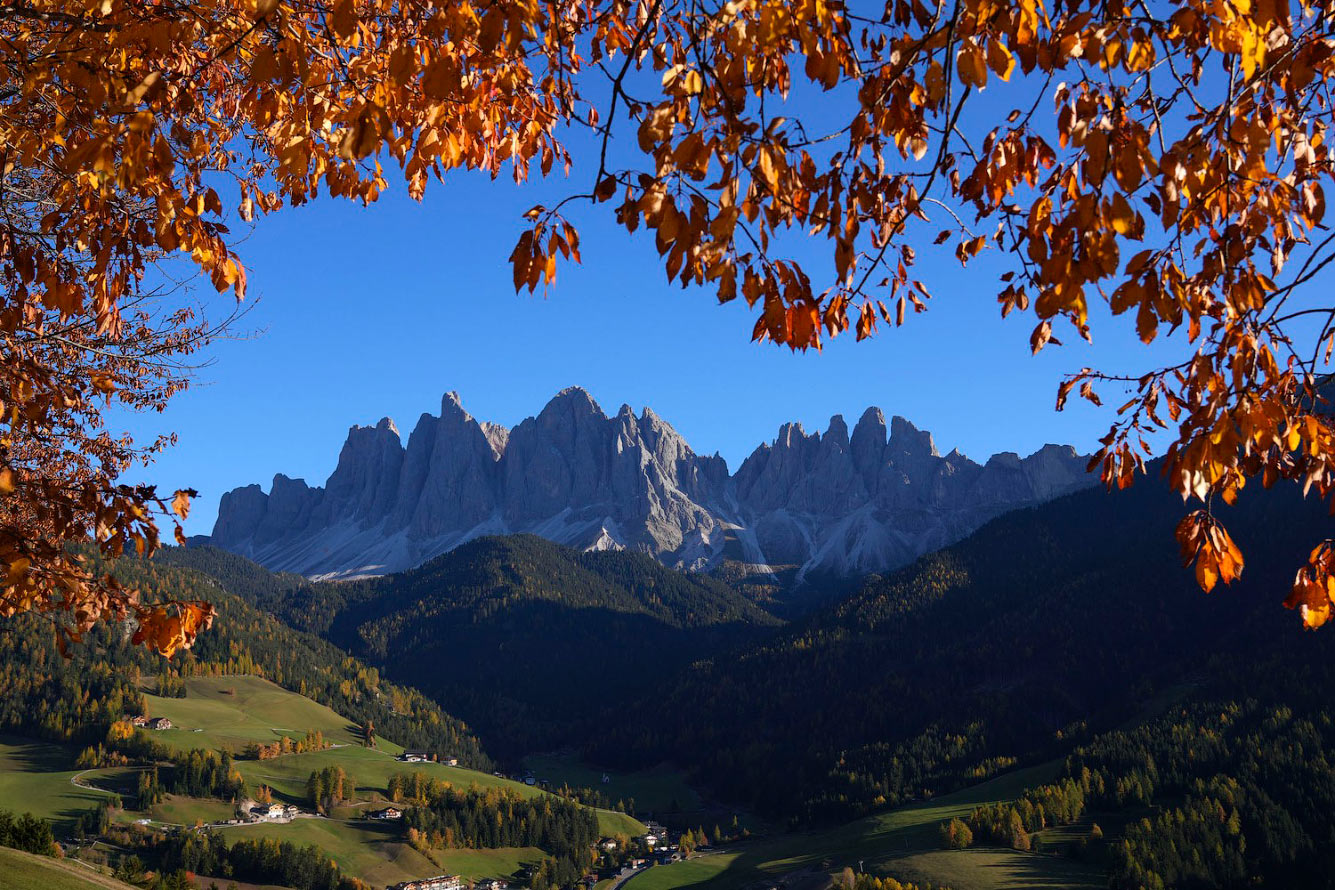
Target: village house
point(608, 843)
point(140, 720)
point(450, 761)
point(440, 882)
point(655, 835)
point(271, 811)
point(388, 813)
point(491, 884)
point(159, 723)
point(415, 756)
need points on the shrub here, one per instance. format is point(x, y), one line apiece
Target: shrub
point(955, 835)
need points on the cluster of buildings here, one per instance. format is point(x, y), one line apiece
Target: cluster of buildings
point(654, 846)
point(271, 812)
point(451, 882)
point(656, 836)
point(144, 722)
point(659, 842)
point(439, 882)
point(427, 757)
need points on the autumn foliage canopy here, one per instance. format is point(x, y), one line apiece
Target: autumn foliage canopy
point(1161, 162)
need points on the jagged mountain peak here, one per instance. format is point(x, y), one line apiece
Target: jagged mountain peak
point(452, 406)
point(830, 503)
point(837, 431)
point(906, 438)
point(575, 399)
point(873, 418)
point(794, 435)
point(382, 430)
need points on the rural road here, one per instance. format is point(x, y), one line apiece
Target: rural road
point(623, 878)
point(75, 781)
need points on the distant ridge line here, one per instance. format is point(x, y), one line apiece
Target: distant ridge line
point(832, 504)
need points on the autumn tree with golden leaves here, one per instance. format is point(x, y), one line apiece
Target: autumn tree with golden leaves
point(1165, 161)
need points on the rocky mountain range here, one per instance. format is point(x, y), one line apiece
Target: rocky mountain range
point(835, 503)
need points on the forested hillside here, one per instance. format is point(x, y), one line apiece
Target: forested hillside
point(1215, 793)
point(77, 698)
point(526, 639)
point(1045, 627)
point(1069, 632)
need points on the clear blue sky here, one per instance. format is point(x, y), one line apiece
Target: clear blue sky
point(368, 312)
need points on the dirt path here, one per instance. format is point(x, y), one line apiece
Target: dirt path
point(75, 780)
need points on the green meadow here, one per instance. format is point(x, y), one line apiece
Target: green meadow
point(232, 712)
point(24, 871)
point(375, 851)
point(286, 777)
point(901, 843)
point(371, 767)
point(37, 777)
point(369, 850)
point(177, 810)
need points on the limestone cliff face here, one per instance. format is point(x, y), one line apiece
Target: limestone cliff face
point(832, 503)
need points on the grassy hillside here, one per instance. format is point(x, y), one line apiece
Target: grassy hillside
point(76, 699)
point(38, 777)
point(371, 851)
point(231, 711)
point(180, 810)
point(222, 712)
point(902, 843)
point(375, 853)
point(286, 776)
point(245, 639)
point(24, 871)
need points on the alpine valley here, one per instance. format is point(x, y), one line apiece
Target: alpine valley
point(820, 505)
point(541, 658)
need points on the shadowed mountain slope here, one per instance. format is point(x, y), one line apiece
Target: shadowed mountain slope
point(1044, 626)
point(525, 639)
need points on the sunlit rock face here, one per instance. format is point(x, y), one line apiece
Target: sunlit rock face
point(834, 504)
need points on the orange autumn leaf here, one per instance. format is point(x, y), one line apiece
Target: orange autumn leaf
point(1313, 593)
point(1204, 542)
